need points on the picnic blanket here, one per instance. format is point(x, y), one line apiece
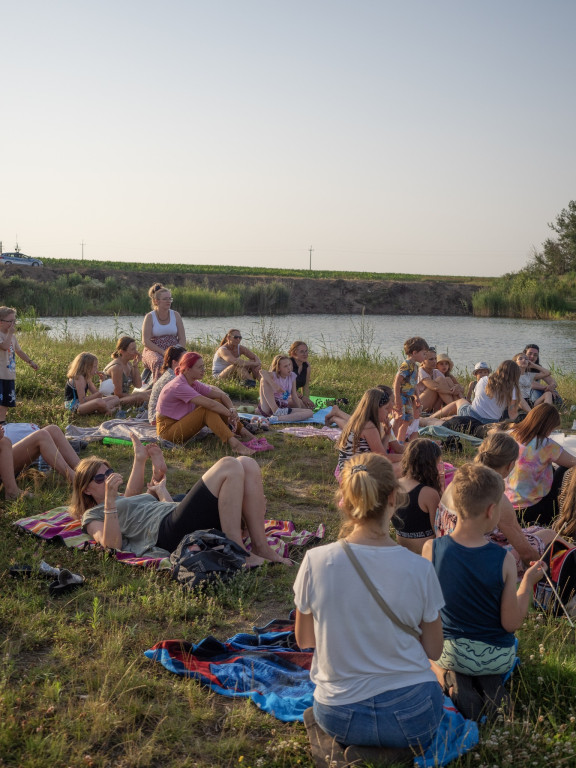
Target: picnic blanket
point(269, 668)
point(58, 524)
point(443, 432)
point(317, 418)
point(117, 428)
point(332, 433)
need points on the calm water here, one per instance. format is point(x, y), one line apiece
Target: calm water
point(466, 339)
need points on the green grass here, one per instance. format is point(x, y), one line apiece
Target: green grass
point(212, 269)
point(75, 688)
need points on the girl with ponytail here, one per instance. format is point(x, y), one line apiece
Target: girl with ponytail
point(370, 664)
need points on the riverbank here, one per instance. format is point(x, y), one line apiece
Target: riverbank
point(77, 689)
point(76, 289)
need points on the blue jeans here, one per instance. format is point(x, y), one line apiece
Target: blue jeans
point(466, 410)
point(405, 717)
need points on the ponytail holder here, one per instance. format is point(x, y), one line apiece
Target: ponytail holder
point(358, 468)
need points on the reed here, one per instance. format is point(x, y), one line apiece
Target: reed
point(522, 295)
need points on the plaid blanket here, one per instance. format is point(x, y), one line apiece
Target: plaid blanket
point(58, 524)
point(269, 668)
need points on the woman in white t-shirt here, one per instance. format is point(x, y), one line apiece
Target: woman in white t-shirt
point(493, 394)
point(374, 685)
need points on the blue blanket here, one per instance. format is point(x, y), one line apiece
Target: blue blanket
point(317, 418)
point(269, 668)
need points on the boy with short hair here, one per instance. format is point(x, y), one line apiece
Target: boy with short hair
point(480, 369)
point(478, 579)
point(405, 383)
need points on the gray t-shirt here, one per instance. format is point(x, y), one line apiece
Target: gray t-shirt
point(139, 518)
point(159, 385)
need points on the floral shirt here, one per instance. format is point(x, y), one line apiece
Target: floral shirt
point(409, 375)
point(531, 477)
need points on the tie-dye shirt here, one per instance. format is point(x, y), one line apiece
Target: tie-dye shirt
point(531, 477)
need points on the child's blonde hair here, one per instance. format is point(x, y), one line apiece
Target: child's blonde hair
point(498, 450)
point(5, 311)
point(474, 488)
point(82, 365)
point(502, 383)
point(275, 365)
point(366, 412)
point(366, 482)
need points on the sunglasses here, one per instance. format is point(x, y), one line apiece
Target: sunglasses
point(101, 476)
point(236, 337)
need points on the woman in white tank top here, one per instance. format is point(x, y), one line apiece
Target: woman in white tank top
point(162, 328)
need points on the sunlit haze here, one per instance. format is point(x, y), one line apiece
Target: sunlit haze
point(416, 136)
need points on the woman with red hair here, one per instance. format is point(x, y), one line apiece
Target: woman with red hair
point(186, 405)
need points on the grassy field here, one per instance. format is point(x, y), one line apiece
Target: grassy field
point(210, 269)
point(75, 687)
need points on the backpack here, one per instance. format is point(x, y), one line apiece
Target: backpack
point(205, 556)
point(561, 564)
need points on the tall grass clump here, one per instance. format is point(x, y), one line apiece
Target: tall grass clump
point(522, 295)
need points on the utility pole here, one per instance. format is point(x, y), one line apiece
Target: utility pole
point(82, 244)
point(310, 250)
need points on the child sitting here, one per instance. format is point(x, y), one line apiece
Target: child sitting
point(279, 400)
point(405, 382)
point(478, 579)
point(81, 394)
point(423, 485)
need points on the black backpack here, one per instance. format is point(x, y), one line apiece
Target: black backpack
point(204, 556)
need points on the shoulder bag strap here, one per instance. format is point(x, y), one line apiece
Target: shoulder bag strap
point(374, 592)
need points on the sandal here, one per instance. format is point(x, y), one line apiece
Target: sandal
point(66, 582)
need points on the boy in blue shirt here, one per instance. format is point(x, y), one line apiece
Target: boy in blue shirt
point(478, 579)
point(405, 382)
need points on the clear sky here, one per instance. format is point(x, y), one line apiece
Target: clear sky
point(427, 136)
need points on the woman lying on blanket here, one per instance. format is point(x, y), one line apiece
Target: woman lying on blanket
point(374, 685)
point(229, 494)
point(499, 451)
point(48, 442)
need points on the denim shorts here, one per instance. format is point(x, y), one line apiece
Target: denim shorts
point(405, 717)
point(466, 410)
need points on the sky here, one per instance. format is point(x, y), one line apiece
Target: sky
point(420, 136)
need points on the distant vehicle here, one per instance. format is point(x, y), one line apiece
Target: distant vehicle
point(20, 258)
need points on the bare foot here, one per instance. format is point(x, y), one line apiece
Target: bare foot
point(245, 434)
point(140, 451)
point(329, 418)
point(159, 467)
point(18, 495)
point(239, 447)
point(269, 554)
point(253, 561)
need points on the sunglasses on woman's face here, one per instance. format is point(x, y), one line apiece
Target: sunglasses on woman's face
point(236, 337)
point(101, 476)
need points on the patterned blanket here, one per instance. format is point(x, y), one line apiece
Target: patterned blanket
point(269, 668)
point(57, 524)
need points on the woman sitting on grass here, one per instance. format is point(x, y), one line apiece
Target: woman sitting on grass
point(423, 485)
point(125, 372)
point(49, 442)
point(492, 396)
point(368, 429)
point(162, 328)
point(278, 398)
point(81, 395)
point(374, 685)
point(435, 390)
point(186, 405)
point(151, 523)
point(232, 358)
point(298, 353)
point(533, 484)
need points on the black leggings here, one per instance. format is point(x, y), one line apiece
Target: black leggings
point(546, 509)
point(197, 511)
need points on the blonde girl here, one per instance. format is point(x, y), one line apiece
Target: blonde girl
point(81, 394)
point(162, 328)
point(124, 371)
point(279, 400)
point(9, 348)
point(493, 394)
point(369, 671)
point(368, 430)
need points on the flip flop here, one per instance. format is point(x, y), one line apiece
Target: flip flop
point(66, 582)
point(260, 444)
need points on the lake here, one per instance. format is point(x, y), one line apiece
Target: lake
point(466, 339)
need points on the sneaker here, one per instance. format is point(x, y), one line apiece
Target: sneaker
point(282, 412)
point(272, 419)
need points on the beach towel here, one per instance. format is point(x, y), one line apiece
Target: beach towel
point(443, 432)
point(269, 668)
point(118, 428)
point(58, 524)
point(332, 433)
point(317, 418)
